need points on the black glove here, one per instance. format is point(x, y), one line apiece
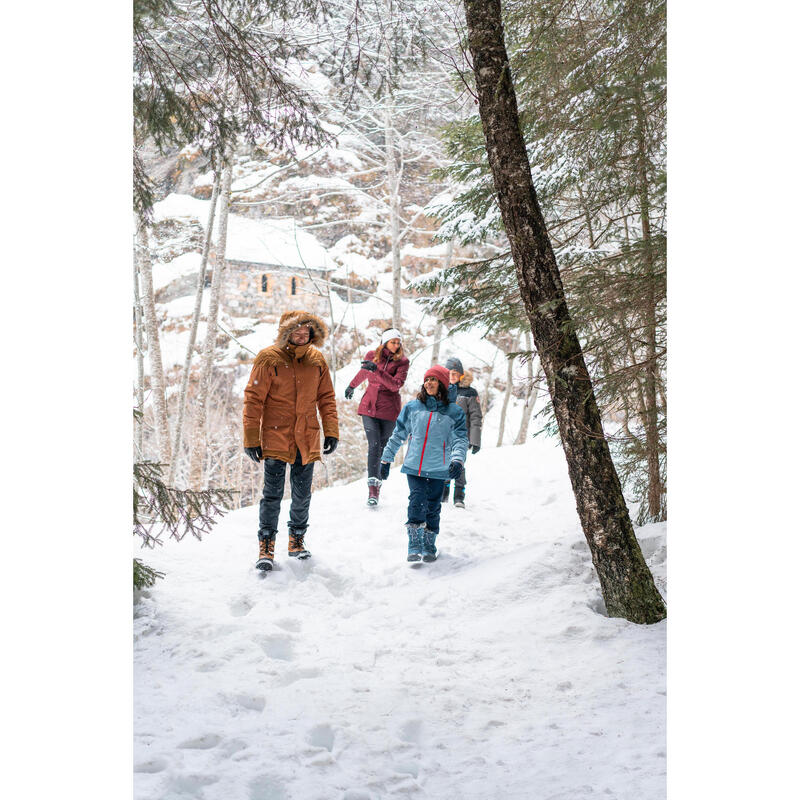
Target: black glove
point(455, 469)
point(475, 448)
point(329, 445)
point(384, 471)
point(254, 453)
point(348, 392)
point(369, 366)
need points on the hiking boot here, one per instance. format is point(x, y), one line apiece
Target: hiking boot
point(428, 544)
point(458, 497)
point(266, 552)
point(414, 541)
point(374, 485)
point(296, 546)
point(446, 492)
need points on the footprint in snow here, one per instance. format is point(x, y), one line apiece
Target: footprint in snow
point(288, 624)
point(411, 731)
point(242, 606)
point(322, 736)
point(265, 787)
point(276, 646)
point(299, 675)
point(152, 766)
point(205, 742)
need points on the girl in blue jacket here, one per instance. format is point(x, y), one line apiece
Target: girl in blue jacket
point(436, 430)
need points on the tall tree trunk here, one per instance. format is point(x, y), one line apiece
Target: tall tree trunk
point(137, 318)
point(530, 396)
point(198, 450)
point(654, 488)
point(507, 397)
point(198, 302)
point(625, 580)
point(394, 214)
point(437, 332)
point(157, 382)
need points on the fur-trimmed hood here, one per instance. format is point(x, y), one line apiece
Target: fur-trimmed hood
point(292, 319)
point(466, 379)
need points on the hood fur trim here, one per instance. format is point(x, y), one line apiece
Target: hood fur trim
point(466, 379)
point(292, 319)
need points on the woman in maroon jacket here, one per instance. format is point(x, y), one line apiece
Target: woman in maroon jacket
point(385, 368)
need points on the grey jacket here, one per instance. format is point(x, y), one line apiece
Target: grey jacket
point(467, 398)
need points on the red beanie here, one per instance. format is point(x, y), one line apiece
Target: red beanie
point(440, 373)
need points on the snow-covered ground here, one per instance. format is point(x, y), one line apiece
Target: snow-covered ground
point(491, 673)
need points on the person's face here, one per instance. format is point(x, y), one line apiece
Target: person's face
point(300, 335)
point(393, 345)
point(431, 385)
point(455, 376)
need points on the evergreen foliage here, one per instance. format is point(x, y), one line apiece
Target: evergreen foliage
point(143, 576)
point(158, 507)
point(209, 71)
point(590, 80)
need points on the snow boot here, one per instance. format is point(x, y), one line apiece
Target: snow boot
point(374, 485)
point(428, 544)
point(266, 552)
point(446, 492)
point(414, 541)
point(458, 497)
point(297, 548)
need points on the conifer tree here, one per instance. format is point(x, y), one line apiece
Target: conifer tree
point(625, 580)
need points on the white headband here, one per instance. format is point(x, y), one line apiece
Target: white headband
point(392, 333)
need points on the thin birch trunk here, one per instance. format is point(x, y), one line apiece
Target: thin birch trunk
point(137, 311)
point(654, 488)
point(437, 333)
point(530, 395)
point(507, 398)
point(198, 302)
point(198, 449)
point(157, 382)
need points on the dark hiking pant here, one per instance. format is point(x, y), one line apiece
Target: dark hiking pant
point(424, 501)
point(378, 432)
point(300, 476)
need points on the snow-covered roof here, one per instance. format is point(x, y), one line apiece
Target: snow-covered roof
point(272, 241)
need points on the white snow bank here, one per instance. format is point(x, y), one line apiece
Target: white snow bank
point(490, 673)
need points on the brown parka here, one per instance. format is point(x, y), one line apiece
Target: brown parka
point(287, 384)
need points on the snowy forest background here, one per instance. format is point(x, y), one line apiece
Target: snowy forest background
point(350, 132)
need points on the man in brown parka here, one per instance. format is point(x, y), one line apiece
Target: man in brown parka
point(289, 381)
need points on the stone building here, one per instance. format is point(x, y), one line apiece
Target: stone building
point(264, 291)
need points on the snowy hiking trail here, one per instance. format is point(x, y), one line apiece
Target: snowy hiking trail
point(491, 673)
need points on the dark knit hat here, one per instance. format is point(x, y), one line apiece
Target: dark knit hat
point(440, 373)
point(454, 363)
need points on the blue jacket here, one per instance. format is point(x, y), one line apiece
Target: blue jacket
point(437, 435)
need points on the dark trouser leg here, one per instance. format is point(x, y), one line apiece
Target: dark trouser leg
point(300, 480)
point(417, 500)
point(372, 431)
point(378, 432)
point(461, 480)
point(433, 503)
point(270, 505)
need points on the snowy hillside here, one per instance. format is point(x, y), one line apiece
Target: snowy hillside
point(491, 673)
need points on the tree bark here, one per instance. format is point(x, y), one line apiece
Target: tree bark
point(157, 382)
point(394, 213)
point(654, 489)
point(507, 396)
point(530, 396)
point(437, 332)
point(625, 580)
point(198, 302)
point(137, 315)
point(198, 451)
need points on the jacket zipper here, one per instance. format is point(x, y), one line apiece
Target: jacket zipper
point(422, 455)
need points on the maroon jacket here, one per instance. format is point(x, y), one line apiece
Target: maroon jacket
point(382, 398)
